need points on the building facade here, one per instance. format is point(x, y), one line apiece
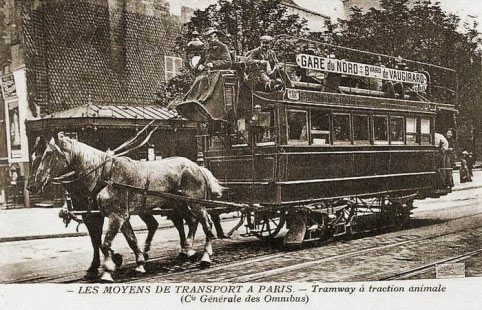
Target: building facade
point(62, 54)
point(315, 21)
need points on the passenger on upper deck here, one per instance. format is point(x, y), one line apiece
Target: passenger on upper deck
point(269, 64)
point(216, 56)
point(376, 84)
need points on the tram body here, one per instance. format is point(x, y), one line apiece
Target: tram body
point(319, 167)
point(312, 147)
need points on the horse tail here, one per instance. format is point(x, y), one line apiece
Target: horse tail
point(213, 183)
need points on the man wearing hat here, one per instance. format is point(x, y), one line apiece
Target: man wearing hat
point(216, 56)
point(266, 58)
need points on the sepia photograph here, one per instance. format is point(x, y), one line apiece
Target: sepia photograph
point(235, 153)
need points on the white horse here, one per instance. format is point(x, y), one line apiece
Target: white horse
point(125, 193)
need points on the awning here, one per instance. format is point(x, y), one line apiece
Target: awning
point(109, 115)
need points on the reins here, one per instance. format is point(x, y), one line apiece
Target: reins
point(62, 178)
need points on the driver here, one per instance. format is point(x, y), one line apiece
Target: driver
point(266, 58)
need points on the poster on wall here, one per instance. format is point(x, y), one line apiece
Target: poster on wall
point(14, 95)
point(14, 126)
point(8, 87)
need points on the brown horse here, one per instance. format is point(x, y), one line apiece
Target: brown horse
point(95, 221)
point(118, 200)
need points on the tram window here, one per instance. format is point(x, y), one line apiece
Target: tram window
point(380, 129)
point(297, 127)
point(216, 142)
point(396, 130)
point(241, 134)
point(361, 132)
point(265, 133)
point(411, 130)
point(341, 128)
point(216, 133)
point(425, 135)
point(320, 127)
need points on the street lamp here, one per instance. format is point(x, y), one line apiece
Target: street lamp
point(194, 49)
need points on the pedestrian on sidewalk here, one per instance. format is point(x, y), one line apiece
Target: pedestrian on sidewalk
point(464, 170)
point(470, 164)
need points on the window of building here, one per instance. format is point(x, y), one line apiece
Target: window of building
point(341, 128)
point(380, 129)
point(396, 130)
point(361, 132)
point(173, 66)
point(425, 136)
point(411, 130)
point(320, 127)
point(297, 127)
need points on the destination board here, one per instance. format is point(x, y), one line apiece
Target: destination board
point(317, 63)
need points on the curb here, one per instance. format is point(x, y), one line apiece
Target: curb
point(66, 235)
point(81, 234)
point(466, 188)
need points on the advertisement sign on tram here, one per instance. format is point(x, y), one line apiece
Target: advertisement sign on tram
point(338, 66)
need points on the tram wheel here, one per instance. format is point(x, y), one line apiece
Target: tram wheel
point(269, 227)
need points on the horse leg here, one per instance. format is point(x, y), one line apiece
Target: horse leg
point(94, 223)
point(178, 222)
point(192, 224)
point(115, 223)
point(131, 238)
point(152, 226)
point(206, 224)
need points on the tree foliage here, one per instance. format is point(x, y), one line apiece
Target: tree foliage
point(241, 22)
point(244, 21)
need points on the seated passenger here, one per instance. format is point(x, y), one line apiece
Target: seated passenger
point(376, 84)
point(216, 56)
point(265, 58)
point(333, 80)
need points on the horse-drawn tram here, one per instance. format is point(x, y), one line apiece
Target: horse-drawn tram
point(350, 138)
point(345, 145)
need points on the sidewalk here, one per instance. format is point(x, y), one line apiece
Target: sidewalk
point(41, 223)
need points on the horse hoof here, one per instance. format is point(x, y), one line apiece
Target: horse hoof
point(205, 261)
point(190, 253)
point(205, 264)
point(182, 257)
point(117, 259)
point(209, 250)
point(140, 270)
point(106, 278)
point(91, 275)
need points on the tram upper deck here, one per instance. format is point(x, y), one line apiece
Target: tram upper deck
point(323, 67)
